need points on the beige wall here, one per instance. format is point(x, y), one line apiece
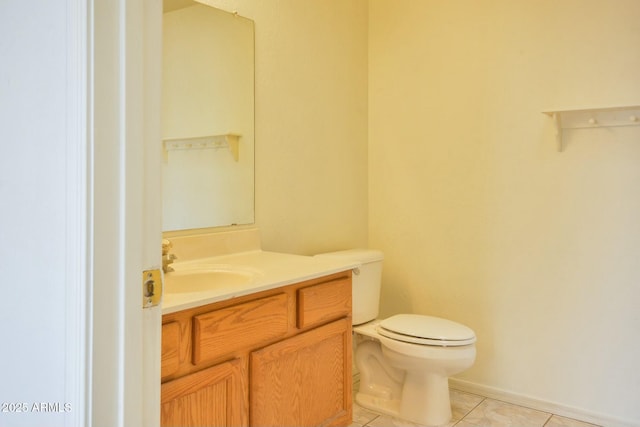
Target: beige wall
point(481, 219)
point(311, 122)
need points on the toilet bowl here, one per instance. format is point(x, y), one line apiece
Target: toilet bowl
point(404, 361)
point(408, 380)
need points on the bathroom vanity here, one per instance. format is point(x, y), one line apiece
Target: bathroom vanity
point(273, 352)
point(248, 337)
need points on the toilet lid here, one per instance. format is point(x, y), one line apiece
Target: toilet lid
point(426, 330)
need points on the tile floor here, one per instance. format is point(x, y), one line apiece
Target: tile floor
point(471, 410)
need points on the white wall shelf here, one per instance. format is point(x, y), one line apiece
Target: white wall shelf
point(229, 141)
point(593, 118)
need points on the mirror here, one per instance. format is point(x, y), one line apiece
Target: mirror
point(207, 117)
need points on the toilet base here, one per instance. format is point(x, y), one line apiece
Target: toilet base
point(378, 404)
point(425, 400)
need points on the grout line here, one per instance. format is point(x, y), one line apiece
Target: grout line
point(548, 419)
point(482, 399)
point(470, 410)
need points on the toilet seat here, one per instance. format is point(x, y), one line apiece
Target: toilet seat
point(426, 330)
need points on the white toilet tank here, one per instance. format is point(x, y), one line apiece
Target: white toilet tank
point(365, 292)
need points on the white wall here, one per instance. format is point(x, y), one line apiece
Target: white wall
point(311, 122)
point(481, 219)
point(41, 219)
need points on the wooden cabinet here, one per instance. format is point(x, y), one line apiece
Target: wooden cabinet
point(239, 327)
point(215, 396)
point(278, 357)
point(304, 380)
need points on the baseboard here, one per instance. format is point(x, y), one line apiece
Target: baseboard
point(540, 404)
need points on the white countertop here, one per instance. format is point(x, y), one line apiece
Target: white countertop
point(272, 270)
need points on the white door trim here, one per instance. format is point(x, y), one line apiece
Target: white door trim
point(126, 224)
point(77, 218)
point(152, 206)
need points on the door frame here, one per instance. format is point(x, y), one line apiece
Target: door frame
point(124, 219)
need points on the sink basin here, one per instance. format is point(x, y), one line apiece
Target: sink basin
point(197, 279)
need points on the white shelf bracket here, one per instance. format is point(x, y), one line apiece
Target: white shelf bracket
point(592, 118)
point(557, 121)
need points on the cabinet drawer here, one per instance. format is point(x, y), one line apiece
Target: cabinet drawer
point(239, 327)
point(324, 302)
point(170, 348)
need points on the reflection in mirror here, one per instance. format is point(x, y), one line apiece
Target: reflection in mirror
point(207, 117)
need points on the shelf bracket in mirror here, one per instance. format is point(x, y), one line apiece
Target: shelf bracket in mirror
point(230, 141)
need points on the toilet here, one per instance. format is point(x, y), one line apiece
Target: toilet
point(404, 361)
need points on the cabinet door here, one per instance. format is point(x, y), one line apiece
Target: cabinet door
point(170, 349)
point(212, 397)
point(304, 380)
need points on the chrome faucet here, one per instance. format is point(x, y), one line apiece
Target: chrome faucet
point(167, 258)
